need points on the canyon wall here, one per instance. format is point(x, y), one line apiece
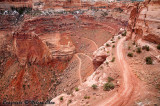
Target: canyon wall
point(145, 21)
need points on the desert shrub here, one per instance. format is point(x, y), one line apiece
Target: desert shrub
point(113, 59)
point(149, 60)
point(76, 89)
point(119, 37)
point(124, 33)
point(129, 47)
point(107, 62)
point(130, 54)
point(145, 48)
point(94, 86)
point(138, 50)
point(104, 14)
point(158, 47)
point(86, 97)
point(110, 79)
point(113, 46)
point(108, 86)
point(134, 43)
point(69, 101)
point(61, 98)
point(107, 45)
point(21, 10)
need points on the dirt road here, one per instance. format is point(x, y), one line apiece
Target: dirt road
point(122, 97)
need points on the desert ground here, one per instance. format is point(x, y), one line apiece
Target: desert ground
point(79, 53)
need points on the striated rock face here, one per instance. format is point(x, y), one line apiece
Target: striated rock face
point(100, 56)
point(30, 49)
point(60, 46)
point(145, 21)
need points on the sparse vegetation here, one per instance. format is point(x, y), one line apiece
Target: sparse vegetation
point(107, 45)
point(134, 43)
point(158, 47)
point(149, 60)
point(130, 54)
point(113, 59)
point(94, 86)
point(76, 89)
point(110, 79)
point(119, 37)
point(124, 33)
point(69, 101)
point(146, 48)
point(86, 97)
point(113, 46)
point(108, 86)
point(107, 62)
point(138, 50)
point(129, 47)
point(61, 98)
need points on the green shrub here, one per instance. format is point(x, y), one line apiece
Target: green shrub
point(138, 50)
point(107, 45)
point(108, 86)
point(69, 101)
point(110, 79)
point(129, 47)
point(134, 43)
point(158, 47)
point(124, 33)
point(94, 86)
point(76, 89)
point(146, 48)
point(61, 98)
point(113, 46)
point(86, 97)
point(107, 62)
point(130, 54)
point(113, 59)
point(149, 60)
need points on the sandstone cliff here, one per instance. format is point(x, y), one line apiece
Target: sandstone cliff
point(145, 22)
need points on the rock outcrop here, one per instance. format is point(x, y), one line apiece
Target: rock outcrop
point(30, 48)
point(145, 22)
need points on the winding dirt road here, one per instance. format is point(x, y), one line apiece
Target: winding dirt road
point(122, 97)
point(79, 68)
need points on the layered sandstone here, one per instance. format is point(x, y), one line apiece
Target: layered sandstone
point(145, 22)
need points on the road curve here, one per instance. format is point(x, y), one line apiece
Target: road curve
point(122, 97)
point(79, 69)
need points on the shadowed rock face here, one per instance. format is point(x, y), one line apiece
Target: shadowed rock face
point(144, 21)
point(30, 49)
point(28, 70)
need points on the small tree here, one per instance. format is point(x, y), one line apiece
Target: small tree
point(149, 60)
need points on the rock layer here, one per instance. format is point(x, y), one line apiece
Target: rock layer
point(145, 22)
